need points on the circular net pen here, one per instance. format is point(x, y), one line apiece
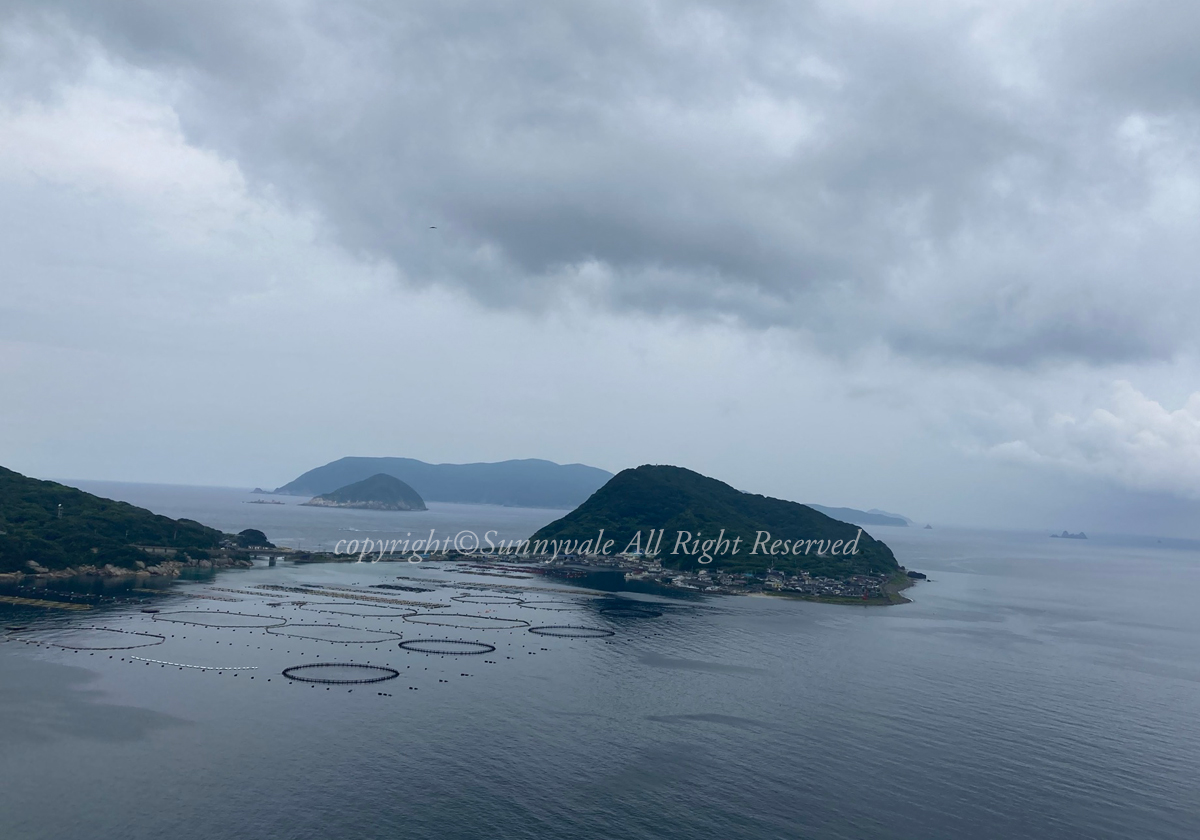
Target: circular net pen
point(91, 638)
point(463, 621)
point(629, 612)
point(447, 647)
point(221, 619)
point(553, 606)
point(496, 600)
point(338, 634)
point(340, 673)
point(571, 631)
point(358, 610)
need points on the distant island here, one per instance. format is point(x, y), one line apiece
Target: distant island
point(674, 500)
point(862, 517)
point(522, 483)
point(1065, 535)
point(379, 492)
point(47, 528)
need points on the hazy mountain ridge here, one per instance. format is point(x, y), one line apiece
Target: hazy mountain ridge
point(863, 517)
point(518, 483)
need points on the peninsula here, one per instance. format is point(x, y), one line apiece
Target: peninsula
point(47, 528)
point(753, 533)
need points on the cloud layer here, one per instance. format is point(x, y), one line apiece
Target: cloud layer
point(1012, 182)
point(840, 253)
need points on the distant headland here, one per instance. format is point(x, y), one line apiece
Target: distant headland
point(49, 529)
point(523, 483)
point(863, 517)
point(719, 539)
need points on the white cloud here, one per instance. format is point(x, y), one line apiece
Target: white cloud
point(1133, 441)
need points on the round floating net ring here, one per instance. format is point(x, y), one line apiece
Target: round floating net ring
point(447, 647)
point(336, 633)
point(358, 610)
point(629, 612)
point(340, 673)
point(462, 621)
point(498, 600)
point(557, 606)
point(570, 631)
point(93, 638)
point(220, 619)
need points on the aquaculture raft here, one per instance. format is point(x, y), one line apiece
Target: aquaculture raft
point(570, 631)
point(365, 673)
point(447, 647)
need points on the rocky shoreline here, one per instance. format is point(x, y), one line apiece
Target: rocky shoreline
point(165, 568)
point(320, 502)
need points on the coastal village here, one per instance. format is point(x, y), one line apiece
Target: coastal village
point(720, 582)
point(639, 568)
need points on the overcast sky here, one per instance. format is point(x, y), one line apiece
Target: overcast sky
point(935, 257)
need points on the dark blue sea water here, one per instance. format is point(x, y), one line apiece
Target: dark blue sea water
point(1034, 688)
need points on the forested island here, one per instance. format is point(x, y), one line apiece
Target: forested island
point(379, 492)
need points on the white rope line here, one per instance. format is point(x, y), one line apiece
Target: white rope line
point(199, 667)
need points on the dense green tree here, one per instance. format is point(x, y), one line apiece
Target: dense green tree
point(58, 526)
point(680, 500)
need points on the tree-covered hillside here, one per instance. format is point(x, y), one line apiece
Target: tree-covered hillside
point(58, 526)
point(677, 499)
point(380, 492)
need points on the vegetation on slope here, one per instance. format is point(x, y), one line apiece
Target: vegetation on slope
point(677, 499)
point(380, 492)
point(58, 526)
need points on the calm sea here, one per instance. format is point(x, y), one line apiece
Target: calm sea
point(1034, 688)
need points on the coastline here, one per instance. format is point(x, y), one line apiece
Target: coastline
point(172, 569)
point(167, 568)
point(891, 591)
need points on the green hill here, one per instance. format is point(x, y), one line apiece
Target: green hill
point(379, 492)
point(58, 526)
point(676, 499)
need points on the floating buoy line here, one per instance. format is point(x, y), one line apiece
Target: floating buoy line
point(197, 667)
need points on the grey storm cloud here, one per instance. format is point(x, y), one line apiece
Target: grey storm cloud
point(1013, 183)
